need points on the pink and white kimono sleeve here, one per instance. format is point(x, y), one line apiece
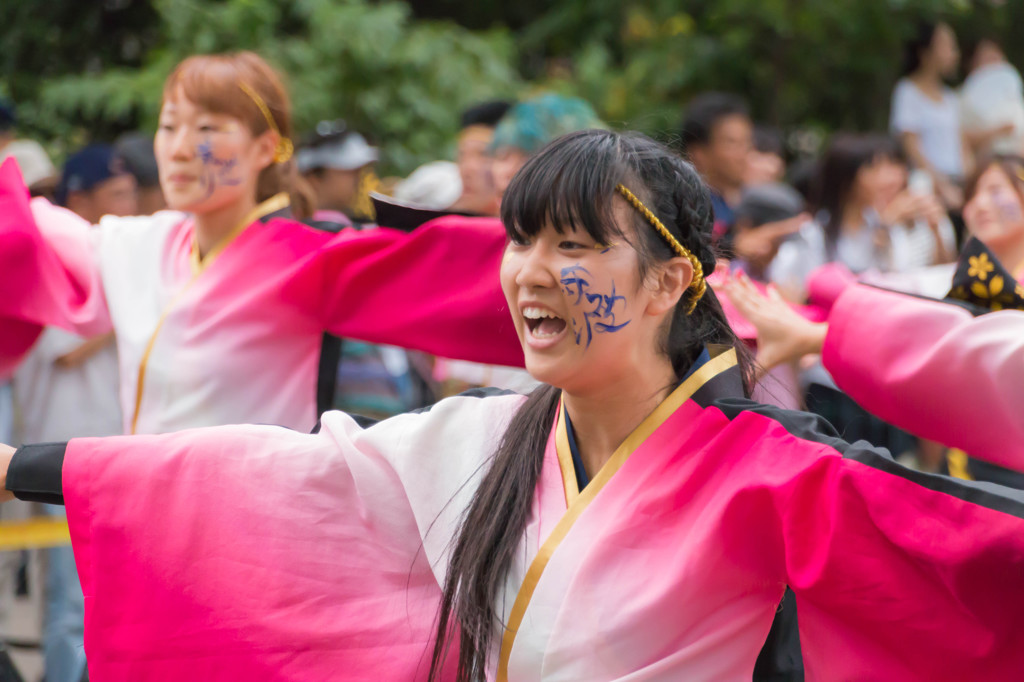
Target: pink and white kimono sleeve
point(47, 280)
point(933, 369)
point(900, 575)
point(436, 289)
point(258, 553)
point(47, 257)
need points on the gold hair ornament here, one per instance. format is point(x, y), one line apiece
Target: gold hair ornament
point(284, 148)
point(698, 284)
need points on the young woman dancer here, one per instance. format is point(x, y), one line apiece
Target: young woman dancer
point(219, 306)
point(635, 517)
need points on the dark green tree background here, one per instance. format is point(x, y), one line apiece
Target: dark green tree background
point(402, 71)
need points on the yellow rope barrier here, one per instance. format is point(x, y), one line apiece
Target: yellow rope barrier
point(34, 533)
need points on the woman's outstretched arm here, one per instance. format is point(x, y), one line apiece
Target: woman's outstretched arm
point(47, 255)
point(50, 275)
point(926, 366)
point(253, 552)
point(933, 369)
point(6, 454)
point(262, 550)
point(898, 574)
point(436, 289)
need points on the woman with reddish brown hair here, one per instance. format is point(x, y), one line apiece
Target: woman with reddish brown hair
point(219, 304)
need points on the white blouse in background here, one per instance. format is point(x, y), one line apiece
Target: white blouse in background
point(993, 95)
point(937, 125)
point(875, 247)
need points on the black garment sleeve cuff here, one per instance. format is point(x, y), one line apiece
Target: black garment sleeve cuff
point(35, 473)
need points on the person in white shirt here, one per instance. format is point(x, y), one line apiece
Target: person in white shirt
point(992, 103)
point(925, 112)
point(866, 217)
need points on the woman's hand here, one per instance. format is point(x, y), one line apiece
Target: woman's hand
point(903, 208)
point(758, 245)
point(6, 453)
point(951, 195)
point(934, 213)
point(783, 335)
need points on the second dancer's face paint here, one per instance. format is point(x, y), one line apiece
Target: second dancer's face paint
point(207, 160)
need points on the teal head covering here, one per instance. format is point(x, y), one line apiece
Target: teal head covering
point(532, 124)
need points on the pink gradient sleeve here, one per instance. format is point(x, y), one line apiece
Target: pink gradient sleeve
point(901, 575)
point(436, 290)
point(50, 277)
point(16, 340)
point(247, 553)
point(827, 283)
point(933, 369)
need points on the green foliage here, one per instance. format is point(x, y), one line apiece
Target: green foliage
point(824, 65)
point(402, 81)
point(79, 69)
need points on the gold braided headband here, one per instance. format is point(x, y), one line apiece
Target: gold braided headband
point(284, 149)
point(698, 284)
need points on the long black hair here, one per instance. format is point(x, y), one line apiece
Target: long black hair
point(919, 41)
point(570, 184)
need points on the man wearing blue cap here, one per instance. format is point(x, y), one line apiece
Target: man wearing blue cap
point(95, 182)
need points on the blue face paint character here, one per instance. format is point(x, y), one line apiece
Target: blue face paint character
point(598, 309)
point(216, 171)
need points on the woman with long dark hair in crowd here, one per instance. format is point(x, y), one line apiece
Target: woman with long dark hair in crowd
point(202, 296)
point(865, 217)
point(635, 517)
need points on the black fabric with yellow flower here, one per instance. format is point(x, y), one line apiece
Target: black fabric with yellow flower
point(982, 282)
point(982, 285)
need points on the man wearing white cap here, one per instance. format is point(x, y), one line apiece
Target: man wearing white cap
point(332, 161)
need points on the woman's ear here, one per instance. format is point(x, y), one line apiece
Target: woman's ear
point(669, 285)
point(266, 146)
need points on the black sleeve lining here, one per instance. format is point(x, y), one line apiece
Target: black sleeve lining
point(35, 473)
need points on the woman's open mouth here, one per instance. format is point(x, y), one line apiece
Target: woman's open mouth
point(542, 324)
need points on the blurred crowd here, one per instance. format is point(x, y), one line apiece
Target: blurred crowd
point(888, 205)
